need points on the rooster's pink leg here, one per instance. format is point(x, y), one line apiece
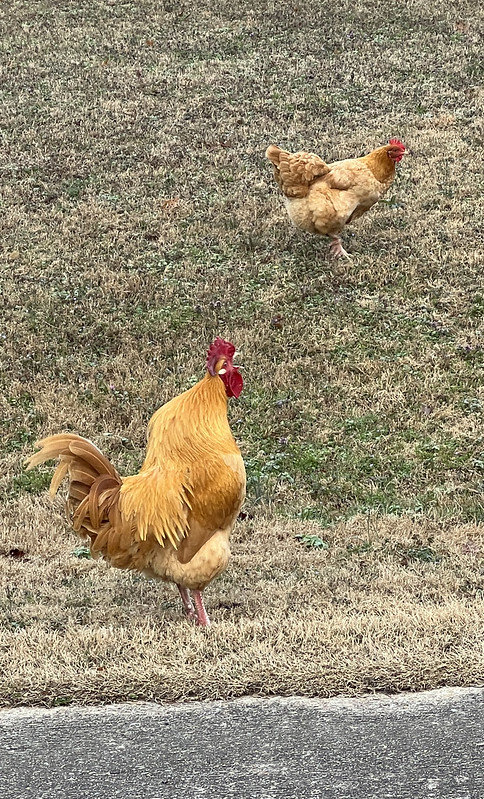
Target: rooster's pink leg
point(202, 616)
point(336, 248)
point(187, 602)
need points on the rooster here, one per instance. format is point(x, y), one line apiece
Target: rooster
point(322, 198)
point(173, 519)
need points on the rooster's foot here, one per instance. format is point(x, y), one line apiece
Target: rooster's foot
point(337, 250)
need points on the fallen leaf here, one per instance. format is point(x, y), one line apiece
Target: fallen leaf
point(170, 203)
point(16, 554)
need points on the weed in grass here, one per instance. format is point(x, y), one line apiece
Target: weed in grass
point(359, 548)
point(82, 552)
point(312, 541)
point(62, 701)
point(422, 554)
point(29, 483)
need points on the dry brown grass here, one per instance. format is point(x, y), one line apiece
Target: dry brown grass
point(366, 614)
point(139, 219)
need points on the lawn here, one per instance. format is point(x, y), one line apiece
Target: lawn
point(139, 219)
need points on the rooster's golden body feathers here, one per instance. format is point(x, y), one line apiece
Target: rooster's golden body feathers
point(173, 519)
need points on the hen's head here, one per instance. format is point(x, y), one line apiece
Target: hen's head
point(396, 150)
point(219, 362)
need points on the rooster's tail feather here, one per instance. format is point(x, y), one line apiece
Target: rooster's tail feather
point(94, 483)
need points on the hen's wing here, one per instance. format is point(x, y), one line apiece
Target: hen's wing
point(343, 194)
point(295, 172)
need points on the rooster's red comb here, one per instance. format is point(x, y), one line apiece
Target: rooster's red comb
point(219, 348)
point(397, 143)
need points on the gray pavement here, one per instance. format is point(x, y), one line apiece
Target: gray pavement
point(406, 747)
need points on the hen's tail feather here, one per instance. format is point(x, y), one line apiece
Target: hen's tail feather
point(94, 483)
point(273, 153)
point(295, 172)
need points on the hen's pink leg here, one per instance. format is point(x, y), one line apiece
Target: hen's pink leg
point(202, 616)
point(187, 602)
point(336, 248)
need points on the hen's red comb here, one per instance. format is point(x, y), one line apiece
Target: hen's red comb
point(397, 143)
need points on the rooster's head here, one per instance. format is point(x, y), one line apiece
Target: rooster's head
point(219, 363)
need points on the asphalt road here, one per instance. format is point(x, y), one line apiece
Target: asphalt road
point(422, 746)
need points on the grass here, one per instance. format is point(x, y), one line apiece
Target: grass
point(387, 604)
point(138, 220)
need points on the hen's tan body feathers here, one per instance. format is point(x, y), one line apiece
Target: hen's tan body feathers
point(295, 172)
point(322, 198)
point(173, 519)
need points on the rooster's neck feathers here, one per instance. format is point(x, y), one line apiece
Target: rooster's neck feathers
point(187, 441)
point(191, 425)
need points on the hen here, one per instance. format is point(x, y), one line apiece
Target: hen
point(322, 198)
point(173, 519)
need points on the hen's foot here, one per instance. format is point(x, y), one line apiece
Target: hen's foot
point(202, 615)
point(337, 250)
point(187, 603)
